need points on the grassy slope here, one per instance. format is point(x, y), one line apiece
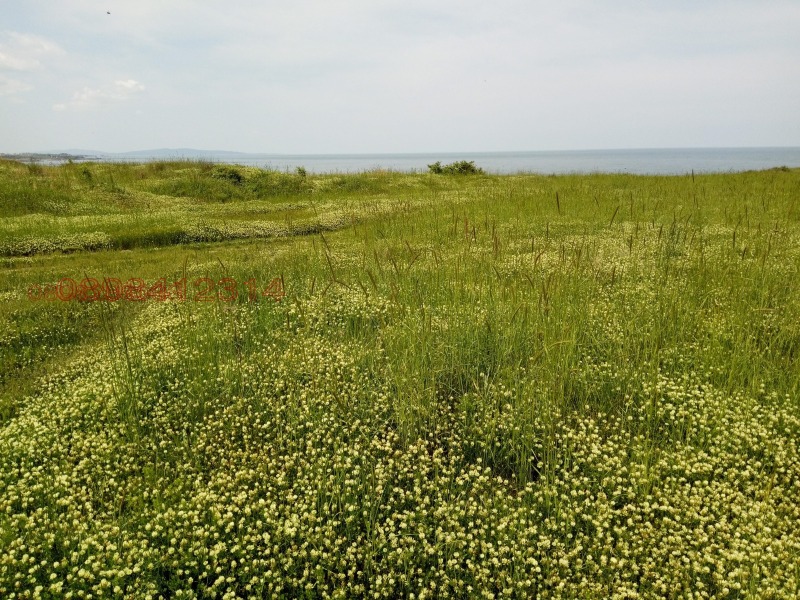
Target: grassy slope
point(564, 386)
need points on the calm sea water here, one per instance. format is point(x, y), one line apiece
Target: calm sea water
point(641, 161)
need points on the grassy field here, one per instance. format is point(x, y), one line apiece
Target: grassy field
point(474, 386)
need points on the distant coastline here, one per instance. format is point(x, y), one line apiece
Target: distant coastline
point(35, 157)
point(643, 161)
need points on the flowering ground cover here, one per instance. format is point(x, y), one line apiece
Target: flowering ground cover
point(474, 386)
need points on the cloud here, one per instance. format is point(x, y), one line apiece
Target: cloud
point(10, 87)
point(25, 52)
point(22, 54)
point(119, 91)
point(16, 63)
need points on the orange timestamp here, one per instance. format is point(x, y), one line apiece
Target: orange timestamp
point(136, 289)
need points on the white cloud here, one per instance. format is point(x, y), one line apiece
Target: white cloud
point(25, 52)
point(16, 63)
point(119, 91)
point(22, 54)
point(130, 85)
point(9, 87)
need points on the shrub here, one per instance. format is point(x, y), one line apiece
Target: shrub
point(227, 173)
point(463, 167)
point(35, 169)
point(274, 183)
point(206, 189)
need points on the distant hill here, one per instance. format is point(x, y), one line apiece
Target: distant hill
point(175, 152)
point(83, 153)
point(79, 154)
point(33, 157)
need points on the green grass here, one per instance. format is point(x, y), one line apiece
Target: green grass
point(525, 386)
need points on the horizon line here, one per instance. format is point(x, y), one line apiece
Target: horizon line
point(87, 152)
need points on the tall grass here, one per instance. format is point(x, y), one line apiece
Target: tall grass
point(573, 386)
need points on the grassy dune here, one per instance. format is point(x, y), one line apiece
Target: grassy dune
point(474, 386)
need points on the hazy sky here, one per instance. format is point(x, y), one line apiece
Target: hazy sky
point(352, 76)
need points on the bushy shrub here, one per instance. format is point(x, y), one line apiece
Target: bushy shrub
point(462, 167)
point(194, 186)
point(275, 183)
point(35, 169)
point(227, 173)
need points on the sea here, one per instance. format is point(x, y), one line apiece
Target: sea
point(661, 161)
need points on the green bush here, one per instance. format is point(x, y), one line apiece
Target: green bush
point(195, 186)
point(463, 167)
point(227, 173)
point(274, 183)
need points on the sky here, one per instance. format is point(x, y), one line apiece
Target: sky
point(397, 76)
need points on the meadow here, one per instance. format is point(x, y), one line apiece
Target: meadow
point(521, 386)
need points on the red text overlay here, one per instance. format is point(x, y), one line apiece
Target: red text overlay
point(136, 289)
